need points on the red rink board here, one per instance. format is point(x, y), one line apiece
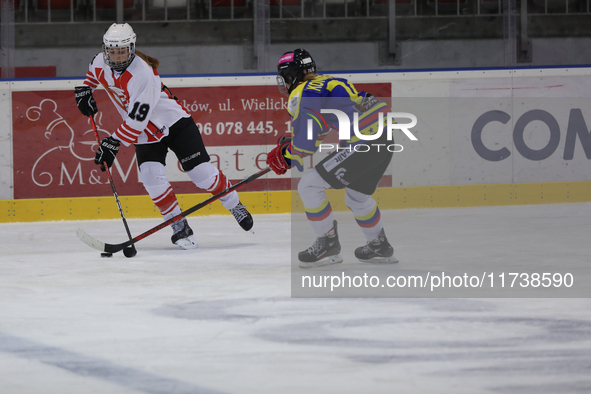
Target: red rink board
point(54, 145)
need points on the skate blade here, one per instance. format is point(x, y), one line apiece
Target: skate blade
point(381, 260)
point(336, 259)
point(187, 243)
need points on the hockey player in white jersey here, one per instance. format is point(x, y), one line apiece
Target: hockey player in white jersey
point(153, 121)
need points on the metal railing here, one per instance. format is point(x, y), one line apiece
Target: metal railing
point(83, 11)
point(565, 7)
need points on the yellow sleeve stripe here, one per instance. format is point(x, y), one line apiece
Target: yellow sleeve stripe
point(301, 152)
point(334, 83)
point(292, 157)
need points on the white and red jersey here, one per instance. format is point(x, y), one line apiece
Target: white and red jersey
point(146, 108)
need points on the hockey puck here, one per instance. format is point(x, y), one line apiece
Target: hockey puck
point(129, 251)
point(106, 254)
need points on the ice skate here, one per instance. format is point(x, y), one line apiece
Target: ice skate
point(183, 235)
point(242, 216)
point(377, 251)
point(325, 251)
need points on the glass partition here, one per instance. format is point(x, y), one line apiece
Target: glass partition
point(244, 36)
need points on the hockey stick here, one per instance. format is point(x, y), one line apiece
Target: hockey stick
point(114, 248)
point(131, 251)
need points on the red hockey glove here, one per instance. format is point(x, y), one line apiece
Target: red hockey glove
point(275, 158)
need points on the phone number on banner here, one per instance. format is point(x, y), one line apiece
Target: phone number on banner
point(222, 128)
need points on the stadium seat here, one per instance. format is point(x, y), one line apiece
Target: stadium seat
point(55, 4)
point(34, 72)
point(108, 4)
point(228, 3)
point(447, 6)
point(555, 4)
point(491, 5)
point(401, 5)
point(169, 3)
point(230, 8)
point(287, 3)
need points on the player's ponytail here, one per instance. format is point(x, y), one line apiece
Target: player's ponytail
point(152, 61)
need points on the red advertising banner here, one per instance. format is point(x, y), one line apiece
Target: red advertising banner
point(54, 145)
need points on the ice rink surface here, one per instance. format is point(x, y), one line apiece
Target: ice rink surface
point(220, 319)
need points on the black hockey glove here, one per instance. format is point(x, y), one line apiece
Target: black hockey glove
point(106, 152)
point(283, 140)
point(368, 102)
point(85, 101)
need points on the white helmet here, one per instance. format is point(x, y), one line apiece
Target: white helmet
point(120, 36)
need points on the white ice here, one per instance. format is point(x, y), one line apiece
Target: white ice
point(220, 319)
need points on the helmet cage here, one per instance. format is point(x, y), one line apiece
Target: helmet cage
point(119, 36)
point(283, 89)
point(121, 66)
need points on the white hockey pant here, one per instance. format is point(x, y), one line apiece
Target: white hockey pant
point(312, 191)
point(363, 207)
point(207, 176)
point(153, 176)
